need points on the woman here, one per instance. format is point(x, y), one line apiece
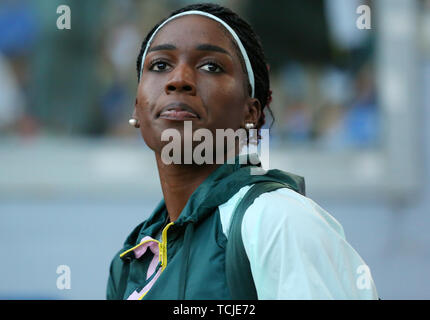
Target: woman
point(204, 66)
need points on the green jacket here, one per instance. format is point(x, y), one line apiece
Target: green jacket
point(191, 262)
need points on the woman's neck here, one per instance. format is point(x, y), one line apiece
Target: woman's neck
point(178, 182)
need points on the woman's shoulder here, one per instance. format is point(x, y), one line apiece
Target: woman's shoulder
point(284, 230)
point(287, 205)
point(278, 208)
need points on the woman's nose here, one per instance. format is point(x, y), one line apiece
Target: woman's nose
point(182, 80)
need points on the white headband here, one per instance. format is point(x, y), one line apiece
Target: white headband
point(235, 37)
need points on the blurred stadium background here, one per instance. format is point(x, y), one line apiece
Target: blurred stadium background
point(351, 113)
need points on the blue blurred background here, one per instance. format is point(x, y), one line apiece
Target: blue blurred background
point(351, 109)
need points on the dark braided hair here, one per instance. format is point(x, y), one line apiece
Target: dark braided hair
point(251, 43)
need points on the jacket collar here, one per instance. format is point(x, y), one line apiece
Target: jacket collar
point(217, 189)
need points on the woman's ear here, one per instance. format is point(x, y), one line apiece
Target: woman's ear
point(252, 111)
point(134, 116)
point(134, 111)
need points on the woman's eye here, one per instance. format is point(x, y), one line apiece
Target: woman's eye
point(159, 66)
point(211, 67)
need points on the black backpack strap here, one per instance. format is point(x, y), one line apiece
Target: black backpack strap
point(238, 269)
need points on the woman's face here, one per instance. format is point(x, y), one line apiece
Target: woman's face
point(192, 64)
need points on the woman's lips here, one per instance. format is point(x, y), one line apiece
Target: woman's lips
point(178, 111)
point(178, 115)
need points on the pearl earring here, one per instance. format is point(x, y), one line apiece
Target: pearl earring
point(133, 122)
point(252, 132)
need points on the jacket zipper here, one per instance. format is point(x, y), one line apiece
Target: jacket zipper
point(162, 248)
